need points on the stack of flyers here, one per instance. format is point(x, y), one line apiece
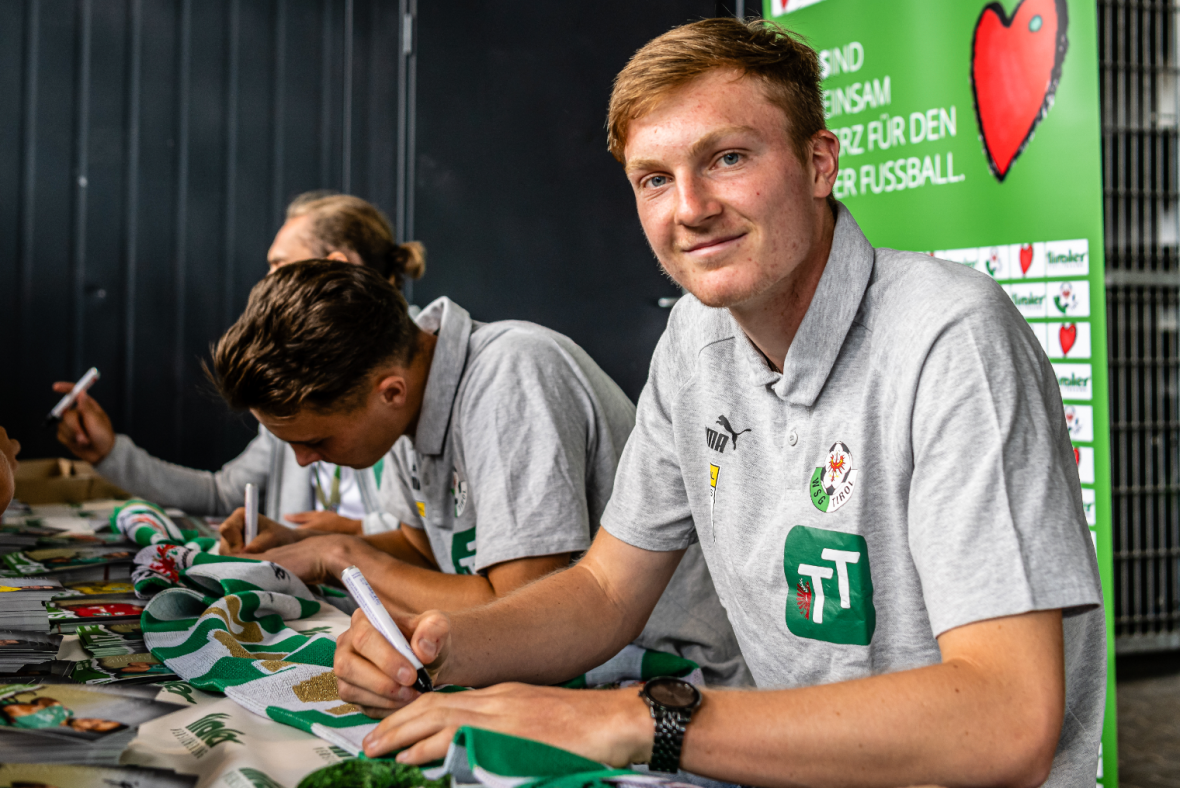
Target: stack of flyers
point(112, 640)
point(56, 776)
point(22, 602)
point(106, 562)
point(18, 649)
point(17, 508)
point(65, 723)
point(129, 668)
point(13, 537)
point(97, 587)
point(67, 613)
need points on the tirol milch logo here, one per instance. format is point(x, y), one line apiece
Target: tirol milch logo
point(212, 731)
point(829, 586)
point(717, 442)
point(831, 484)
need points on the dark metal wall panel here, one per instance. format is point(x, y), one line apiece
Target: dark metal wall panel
point(152, 147)
point(524, 212)
point(1137, 46)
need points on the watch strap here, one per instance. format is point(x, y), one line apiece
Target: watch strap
point(669, 737)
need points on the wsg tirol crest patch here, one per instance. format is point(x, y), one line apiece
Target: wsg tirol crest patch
point(833, 482)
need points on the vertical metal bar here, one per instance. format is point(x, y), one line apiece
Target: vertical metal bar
point(28, 173)
point(404, 28)
point(411, 118)
point(346, 101)
point(81, 182)
point(180, 268)
point(277, 198)
point(375, 137)
point(131, 237)
point(326, 98)
point(231, 160)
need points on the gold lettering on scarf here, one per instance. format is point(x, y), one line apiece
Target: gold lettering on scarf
point(237, 650)
point(340, 711)
point(274, 665)
point(250, 632)
point(317, 689)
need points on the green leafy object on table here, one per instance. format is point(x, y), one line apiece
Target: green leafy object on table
point(371, 774)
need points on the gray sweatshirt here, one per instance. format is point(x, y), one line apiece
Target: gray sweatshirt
point(267, 462)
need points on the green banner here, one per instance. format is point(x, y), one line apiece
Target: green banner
point(970, 130)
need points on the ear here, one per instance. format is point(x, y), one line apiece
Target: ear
point(825, 162)
point(339, 256)
point(394, 390)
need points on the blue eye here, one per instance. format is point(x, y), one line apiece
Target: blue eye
point(731, 158)
point(656, 181)
point(1035, 23)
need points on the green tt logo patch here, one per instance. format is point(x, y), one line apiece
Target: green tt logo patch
point(463, 551)
point(830, 586)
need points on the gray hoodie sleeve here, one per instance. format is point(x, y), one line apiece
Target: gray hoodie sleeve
point(197, 492)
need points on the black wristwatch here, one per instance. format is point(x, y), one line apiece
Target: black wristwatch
point(672, 703)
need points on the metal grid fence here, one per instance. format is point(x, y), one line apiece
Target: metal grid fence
point(1138, 56)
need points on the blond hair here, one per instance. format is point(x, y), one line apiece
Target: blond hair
point(342, 222)
point(788, 69)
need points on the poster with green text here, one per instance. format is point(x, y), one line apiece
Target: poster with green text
point(970, 130)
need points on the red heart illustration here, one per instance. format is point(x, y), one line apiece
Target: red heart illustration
point(1068, 335)
point(1015, 68)
point(1025, 257)
point(1077, 455)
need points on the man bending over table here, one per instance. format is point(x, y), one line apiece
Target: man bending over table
point(513, 434)
point(894, 526)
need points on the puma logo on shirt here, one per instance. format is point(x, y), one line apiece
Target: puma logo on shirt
point(724, 422)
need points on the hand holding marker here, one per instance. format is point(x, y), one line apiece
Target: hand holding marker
point(67, 402)
point(251, 514)
point(379, 617)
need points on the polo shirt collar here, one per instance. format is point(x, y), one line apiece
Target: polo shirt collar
point(452, 323)
point(820, 336)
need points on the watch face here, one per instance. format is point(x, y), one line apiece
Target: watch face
point(673, 693)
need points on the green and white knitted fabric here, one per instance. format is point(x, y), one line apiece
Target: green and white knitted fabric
point(145, 523)
point(238, 643)
point(226, 631)
point(485, 758)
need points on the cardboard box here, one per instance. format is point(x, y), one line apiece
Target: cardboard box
point(62, 481)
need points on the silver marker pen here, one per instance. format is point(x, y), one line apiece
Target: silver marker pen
point(66, 402)
point(379, 617)
point(251, 514)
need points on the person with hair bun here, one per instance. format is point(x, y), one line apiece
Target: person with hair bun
point(332, 226)
point(322, 496)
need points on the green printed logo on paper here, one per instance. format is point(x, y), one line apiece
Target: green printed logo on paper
point(463, 551)
point(212, 731)
point(829, 586)
point(832, 483)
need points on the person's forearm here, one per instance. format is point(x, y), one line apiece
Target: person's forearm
point(409, 588)
point(946, 724)
point(396, 544)
point(132, 468)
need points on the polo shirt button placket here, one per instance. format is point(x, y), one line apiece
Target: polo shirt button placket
point(792, 437)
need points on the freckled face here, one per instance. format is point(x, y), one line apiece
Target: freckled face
point(726, 205)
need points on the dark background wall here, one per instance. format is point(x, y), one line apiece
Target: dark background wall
point(148, 149)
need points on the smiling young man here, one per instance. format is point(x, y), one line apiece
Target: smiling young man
point(512, 438)
point(870, 448)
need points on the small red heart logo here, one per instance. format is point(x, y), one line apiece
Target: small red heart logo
point(1077, 455)
point(1068, 335)
point(1025, 258)
point(1015, 68)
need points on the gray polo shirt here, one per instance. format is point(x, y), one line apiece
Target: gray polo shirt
point(514, 456)
point(909, 472)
